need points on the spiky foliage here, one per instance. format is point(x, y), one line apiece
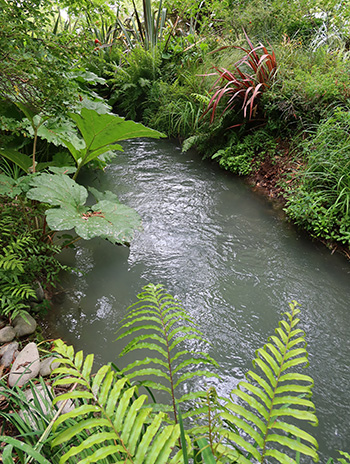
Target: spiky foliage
point(157, 322)
point(120, 427)
point(31, 412)
point(250, 77)
point(264, 426)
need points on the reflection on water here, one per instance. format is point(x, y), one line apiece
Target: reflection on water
point(232, 261)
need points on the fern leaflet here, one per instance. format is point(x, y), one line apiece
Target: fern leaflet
point(164, 325)
point(129, 431)
point(262, 428)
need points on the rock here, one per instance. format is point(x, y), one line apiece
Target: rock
point(26, 366)
point(7, 334)
point(39, 292)
point(44, 397)
point(8, 353)
point(47, 365)
point(24, 325)
point(68, 407)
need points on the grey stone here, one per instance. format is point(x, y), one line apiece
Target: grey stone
point(40, 295)
point(26, 366)
point(47, 365)
point(8, 353)
point(44, 397)
point(68, 406)
point(7, 334)
point(24, 325)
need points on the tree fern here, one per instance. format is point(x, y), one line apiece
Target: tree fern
point(157, 322)
point(120, 427)
point(275, 399)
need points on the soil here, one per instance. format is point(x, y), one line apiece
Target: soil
point(271, 179)
point(274, 174)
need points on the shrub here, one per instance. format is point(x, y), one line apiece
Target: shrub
point(243, 156)
point(309, 86)
point(133, 82)
point(250, 77)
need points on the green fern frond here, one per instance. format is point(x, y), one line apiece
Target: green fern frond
point(108, 410)
point(11, 263)
point(346, 455)
point(261, 428)
point(204, 99)
point(158, 323)
point(191, 142)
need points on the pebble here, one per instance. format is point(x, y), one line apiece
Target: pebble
point(8, 353)
point(26, 366)
point(7, 334)
point(47, 365)
point(24, 325)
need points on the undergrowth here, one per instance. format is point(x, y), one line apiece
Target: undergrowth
point(319, 198)
point(26, 258)
point(115, 420)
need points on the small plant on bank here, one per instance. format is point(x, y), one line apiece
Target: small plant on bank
point(243, 156)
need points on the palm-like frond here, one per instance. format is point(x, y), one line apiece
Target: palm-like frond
point(262, 428)
point(158, 323)
point(119, 426)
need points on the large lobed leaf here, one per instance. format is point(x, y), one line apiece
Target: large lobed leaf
point(107, 219)
point(101, 132)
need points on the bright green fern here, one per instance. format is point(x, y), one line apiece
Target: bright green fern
point(275, 400)
point(121, 428)
point(157, 322)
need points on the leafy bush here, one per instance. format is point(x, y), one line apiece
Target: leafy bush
point(309, 86)
point(243, 156)
point(25, 257)
point(251, 76)
point(133, 81)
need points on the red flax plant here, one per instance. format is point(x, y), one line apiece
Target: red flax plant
point(251, 76)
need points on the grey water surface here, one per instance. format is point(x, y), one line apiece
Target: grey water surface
point(233, 261)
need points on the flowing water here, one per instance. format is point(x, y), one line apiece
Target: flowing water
point(232, 260)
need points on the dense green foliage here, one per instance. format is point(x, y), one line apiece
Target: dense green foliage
point(237, 80)
point(26, 257)
point(111, 422)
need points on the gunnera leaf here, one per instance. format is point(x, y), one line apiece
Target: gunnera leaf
point(107, 219)
point(57, 190)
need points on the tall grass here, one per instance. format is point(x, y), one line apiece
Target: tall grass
point(321, 200)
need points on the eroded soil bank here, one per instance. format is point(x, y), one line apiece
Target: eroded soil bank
point(273, 178)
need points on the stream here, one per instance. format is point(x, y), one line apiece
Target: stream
point(231, 258)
